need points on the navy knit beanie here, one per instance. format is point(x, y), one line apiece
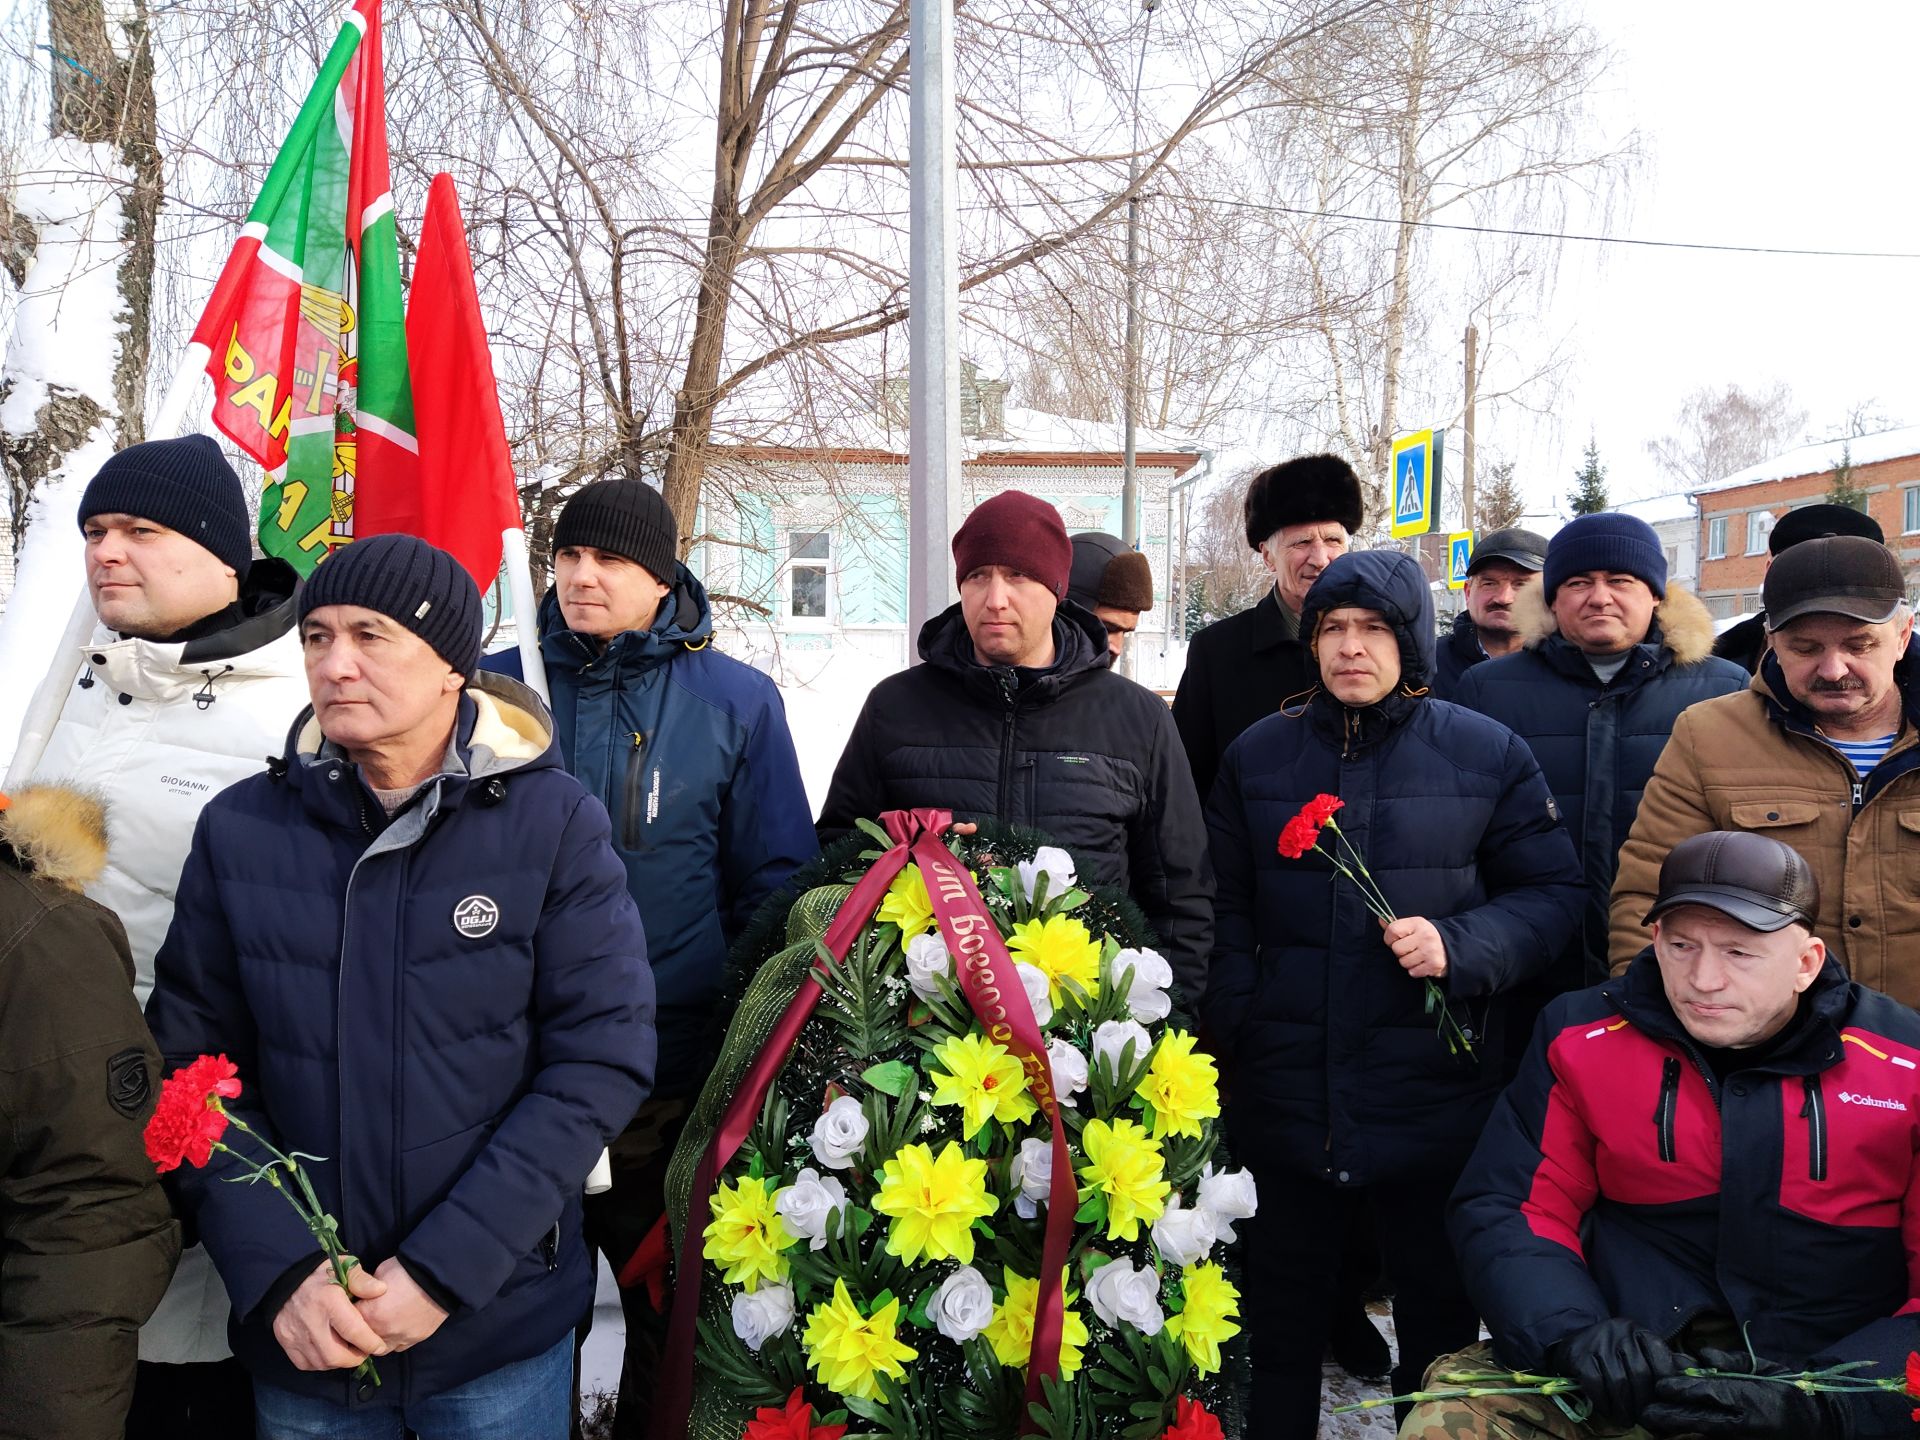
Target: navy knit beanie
point(409, 581)
point(626, 517)
point(184, 484)
point(1619, 543)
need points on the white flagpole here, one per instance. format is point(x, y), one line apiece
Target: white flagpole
point(50, 697)
point(526, 624)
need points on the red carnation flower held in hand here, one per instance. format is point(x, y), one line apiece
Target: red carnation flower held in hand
point(1192, 1421)
point(793, 1423)
point(1320, 809)
point(1913, 1381)
point(188, 1121)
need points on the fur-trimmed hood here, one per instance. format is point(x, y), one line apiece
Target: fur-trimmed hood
point(55, 834)
point(1685, 626)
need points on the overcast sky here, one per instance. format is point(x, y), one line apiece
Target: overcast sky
point(1761, 124)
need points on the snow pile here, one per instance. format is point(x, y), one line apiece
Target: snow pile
point(1823, 455)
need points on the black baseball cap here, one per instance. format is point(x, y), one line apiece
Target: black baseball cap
point(1521, 547)
point(1751, 879)
point(1810, 522)
point(1834, 575)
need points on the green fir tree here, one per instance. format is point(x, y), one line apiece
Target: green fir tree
point(1590, 498)
point(1843, 489)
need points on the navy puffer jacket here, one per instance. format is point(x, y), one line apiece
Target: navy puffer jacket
point(689, 751)
point(1336, 1070)
point(453, 1007)
point(1597, 743)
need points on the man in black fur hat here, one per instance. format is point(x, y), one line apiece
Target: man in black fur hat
point(1300, 514)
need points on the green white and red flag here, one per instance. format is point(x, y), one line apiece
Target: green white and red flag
point(305, 329)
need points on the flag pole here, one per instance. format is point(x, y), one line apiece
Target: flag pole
point(50, 696)
point(526, 625)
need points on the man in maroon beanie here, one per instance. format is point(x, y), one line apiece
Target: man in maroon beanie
point(1016, 717)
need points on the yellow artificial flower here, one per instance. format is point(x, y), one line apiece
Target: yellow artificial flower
point(1207, 1318)
point(1125, 1165)
point(1061, 948)
point(907, 904)
point(849, 1351)
point(1183, 1088)
point(1010, 1332)
point(983, 1078)
point(747, 1234)
point(933, 1202)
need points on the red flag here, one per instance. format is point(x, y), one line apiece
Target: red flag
point(466, 495)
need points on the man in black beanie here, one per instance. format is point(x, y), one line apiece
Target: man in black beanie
point(190, 680)
point(415, 942)
point(689, 751)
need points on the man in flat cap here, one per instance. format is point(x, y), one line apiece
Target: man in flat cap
point(1114, 581)
point(1504, 563)
point(1746, 643)
point(1709, 1162)
point(1300, 514)
point(1820, 749)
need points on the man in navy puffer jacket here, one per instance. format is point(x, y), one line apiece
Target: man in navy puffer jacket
point(415, 941)
point(1341, 1093)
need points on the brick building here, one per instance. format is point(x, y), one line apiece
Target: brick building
point(1737, 514)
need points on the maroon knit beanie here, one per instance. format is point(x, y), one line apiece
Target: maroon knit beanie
point(1019, 532)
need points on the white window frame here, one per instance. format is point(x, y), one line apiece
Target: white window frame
point(1716, 537)
point(1759, 527)
point(790, 564)
point(1910, 510)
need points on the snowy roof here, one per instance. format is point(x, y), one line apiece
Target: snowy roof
point(1823, 455)
point(1659, 508)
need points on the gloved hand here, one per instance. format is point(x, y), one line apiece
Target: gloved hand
point(1617, 1364)
point(1760, 1409)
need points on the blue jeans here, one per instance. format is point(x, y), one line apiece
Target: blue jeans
point(527, 1400)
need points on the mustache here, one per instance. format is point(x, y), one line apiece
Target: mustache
point(1835, 687)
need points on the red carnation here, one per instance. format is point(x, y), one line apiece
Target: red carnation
point(1320, 809)
point(793, 1423)
point(189, 1120)
point(1192, 1420)
point(1913, 1380)
point(1299, 836)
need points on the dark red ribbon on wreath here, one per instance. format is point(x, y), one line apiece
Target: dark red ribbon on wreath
point(999, 1001)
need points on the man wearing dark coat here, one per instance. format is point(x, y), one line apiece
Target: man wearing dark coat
point(1746, 643)
point(1344, 1096)
point(1503, 563)
point(1300, 514)
point(1016, 717)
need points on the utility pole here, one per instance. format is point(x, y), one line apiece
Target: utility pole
point(1466, 426)
point(933, 297)
point(1130, 386)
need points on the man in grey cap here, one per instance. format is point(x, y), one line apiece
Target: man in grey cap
point(1113, 580)
point(1706, 1163)
point(1504, 563)
point(1819, 750)
point(1746, 643)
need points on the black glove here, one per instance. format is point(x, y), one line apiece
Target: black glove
point(1617, 1364)
point(1759, 1409)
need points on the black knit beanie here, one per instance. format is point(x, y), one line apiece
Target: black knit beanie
point(627, 517)
point(184, 484)
point(409, 581)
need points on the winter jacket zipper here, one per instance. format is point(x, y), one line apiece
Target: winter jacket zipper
point(634, 788)
point(1005, 795)
point(1664, 1112)
point(1814, 1111)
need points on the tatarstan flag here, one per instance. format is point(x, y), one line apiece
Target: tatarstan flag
point(305, 330)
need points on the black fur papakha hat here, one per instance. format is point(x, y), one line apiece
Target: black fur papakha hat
point(1307, 490)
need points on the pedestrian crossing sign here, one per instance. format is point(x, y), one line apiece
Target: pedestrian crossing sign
point(1459, 552)
point(1416, 482)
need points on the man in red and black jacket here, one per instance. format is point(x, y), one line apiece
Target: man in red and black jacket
point(1723, 1141)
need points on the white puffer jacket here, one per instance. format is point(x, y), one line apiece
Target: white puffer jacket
point(157, 730)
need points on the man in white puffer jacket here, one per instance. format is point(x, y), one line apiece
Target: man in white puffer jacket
point(191, 680)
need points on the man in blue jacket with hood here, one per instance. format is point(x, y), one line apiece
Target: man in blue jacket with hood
point(413, 938)
point(689, 751)
point(1343, 1096)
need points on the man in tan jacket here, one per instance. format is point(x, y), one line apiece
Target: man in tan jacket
point(1820, 751)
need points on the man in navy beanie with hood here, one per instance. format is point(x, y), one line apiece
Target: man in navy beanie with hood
point(1610, 655)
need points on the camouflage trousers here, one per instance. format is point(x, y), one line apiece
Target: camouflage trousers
point(1500, 1417)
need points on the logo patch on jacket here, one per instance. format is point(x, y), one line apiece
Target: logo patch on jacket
point(128, 1084)
point(475, 916)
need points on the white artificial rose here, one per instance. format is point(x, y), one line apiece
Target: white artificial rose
point(806, 1204)
point(927, 957)
point(1183, 1237)
point(1034, 981)
point(1118, 1292)
point(1110, 1041)
point(1032, 1171)
point(1069, 1068)
point(838, 1135)
point(758, 1317)
point(1227, 1195)
point(1052, 862)
point(1147, 997)
point(963, 1305)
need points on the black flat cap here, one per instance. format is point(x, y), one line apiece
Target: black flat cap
point(1752, 879)
point(1520, 547)
point(1834, 575)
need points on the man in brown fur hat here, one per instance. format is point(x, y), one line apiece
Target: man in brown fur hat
point(1113, 580)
